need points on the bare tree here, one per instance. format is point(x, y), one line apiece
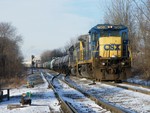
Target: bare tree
point(135, 15)
point(120, 12)
point(72, 41)
point(10, 55)
point(46, 56)
point(50, 54)
point(144, 35)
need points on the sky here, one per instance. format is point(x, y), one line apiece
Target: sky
point(50, 24)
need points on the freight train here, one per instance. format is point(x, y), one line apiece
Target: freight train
point(103, 54)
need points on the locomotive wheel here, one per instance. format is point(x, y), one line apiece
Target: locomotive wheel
point(123, 75)
point(73, 71)
point(97, 74)
point(116, 77)
point(86, 71)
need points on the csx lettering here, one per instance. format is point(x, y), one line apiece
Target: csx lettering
point(111, 47)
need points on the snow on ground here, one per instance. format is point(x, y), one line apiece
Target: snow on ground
point(43, 100)
point(81, 103)
point(135, 87)
point(139, 81)
point(122, 98)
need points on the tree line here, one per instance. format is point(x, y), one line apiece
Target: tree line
point(135, 15)
point(48, 55)
point(10, 54)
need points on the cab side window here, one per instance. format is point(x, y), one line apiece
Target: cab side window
point(124, 35)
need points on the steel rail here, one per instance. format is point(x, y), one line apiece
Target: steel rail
point(105, 104)
point(128, 88)
point(65, 106)
point(100, 102)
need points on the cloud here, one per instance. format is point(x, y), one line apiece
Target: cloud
point(48, 24)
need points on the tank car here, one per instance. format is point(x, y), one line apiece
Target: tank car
point(60, 64)
point(103, 54)
point(52, 63)
point(55, 64)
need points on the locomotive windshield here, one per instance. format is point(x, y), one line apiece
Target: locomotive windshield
point(107, 33)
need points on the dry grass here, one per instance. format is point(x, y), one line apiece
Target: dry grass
point(141, 64)
point(13, 82)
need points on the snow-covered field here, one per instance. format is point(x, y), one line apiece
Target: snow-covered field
point(43, 100)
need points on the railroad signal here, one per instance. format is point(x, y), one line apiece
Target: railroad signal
point(32, 57)
point(32, 62)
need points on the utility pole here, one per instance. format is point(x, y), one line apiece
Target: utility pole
point(32, 62)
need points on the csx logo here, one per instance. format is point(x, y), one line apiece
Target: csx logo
point(112, 47)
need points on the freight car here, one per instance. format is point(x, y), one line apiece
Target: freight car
point(60, 64)
point(103, 54)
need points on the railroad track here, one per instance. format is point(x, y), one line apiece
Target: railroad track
point(130, 101)
point(71, 100)
point(64, 104)
point(103, 106)
point(100, 102)
point(130, 86)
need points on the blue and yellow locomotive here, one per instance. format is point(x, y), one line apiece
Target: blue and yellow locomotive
point(103, 54)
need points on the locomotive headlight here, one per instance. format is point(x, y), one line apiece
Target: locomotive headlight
point(113, 56)
point(110, 26)
point(123, 63)
point(103, 63)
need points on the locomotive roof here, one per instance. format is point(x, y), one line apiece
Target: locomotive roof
point(107, 26)
point(83, 37)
